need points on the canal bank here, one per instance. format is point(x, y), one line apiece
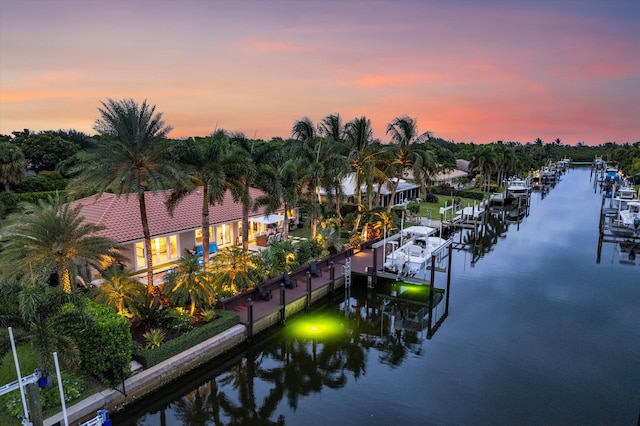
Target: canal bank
point(255, 317)
point(524, 339)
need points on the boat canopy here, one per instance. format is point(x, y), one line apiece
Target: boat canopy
point(419, 230)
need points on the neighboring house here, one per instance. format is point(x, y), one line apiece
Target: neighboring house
point(449, 177)
point(173, 235)
point(406, 191)
point(462, 165)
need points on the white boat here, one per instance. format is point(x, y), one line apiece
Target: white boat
point(418, 245)
point(599, 163)
point(549, 173)
point(517, 187)
point(622, 195)
point(629, 218)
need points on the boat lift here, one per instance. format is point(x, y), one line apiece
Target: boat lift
point(102, 419)
point(26, 380)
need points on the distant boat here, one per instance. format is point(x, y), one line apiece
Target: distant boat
point(518, 187)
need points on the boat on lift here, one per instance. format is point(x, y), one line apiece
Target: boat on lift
point(518, 188)
point(418, 245)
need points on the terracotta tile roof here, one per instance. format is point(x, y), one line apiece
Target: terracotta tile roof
point(121, 214)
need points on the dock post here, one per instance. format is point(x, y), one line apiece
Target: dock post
point(374, 278)
point(308, 289)
point(332, 277)
point(282, 304)
point(250, 318)
point(431, 289)
point(446, 306)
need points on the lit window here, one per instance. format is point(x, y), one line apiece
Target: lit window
point(223, 234)
point(163, 250)
point(199, 236)
point(141, 260)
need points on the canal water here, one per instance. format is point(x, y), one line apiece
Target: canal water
point(542, 327)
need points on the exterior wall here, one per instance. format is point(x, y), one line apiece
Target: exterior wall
point(187, 240)
point(128, 251)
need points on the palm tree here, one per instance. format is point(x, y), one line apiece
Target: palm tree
point(359, 136)
point(280, 185)
point(234, 270)
point(484, 161)
point(308, 154)
point(241, 171)
point(120, 290)
point(205, 169)
point(51, 236)
point(129, 158)
point(408, 154)
point(322, 162)
point(40, 308)
point(333, 158)
point(189, 283)
point(12, 165)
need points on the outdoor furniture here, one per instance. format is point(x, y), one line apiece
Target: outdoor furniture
point(262, 293)
point(286, 280)
point(314, 270)
point(261, 240)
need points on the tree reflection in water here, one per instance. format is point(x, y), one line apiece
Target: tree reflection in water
point(281, 367)
point(482, 242)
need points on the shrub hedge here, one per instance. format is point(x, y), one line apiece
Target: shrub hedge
point(151, 357)
point(104, 340)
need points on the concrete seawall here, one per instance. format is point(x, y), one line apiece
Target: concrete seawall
point(153, 378)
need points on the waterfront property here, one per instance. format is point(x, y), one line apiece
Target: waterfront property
point(520, 342)
point(330, 275)
point(173, 235)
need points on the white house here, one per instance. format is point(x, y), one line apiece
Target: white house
point(173, 235)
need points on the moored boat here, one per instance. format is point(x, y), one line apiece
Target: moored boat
point(518, 187)
point(416, 253)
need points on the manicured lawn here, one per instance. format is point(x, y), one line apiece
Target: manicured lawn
point(301, 232)
point(443, 201)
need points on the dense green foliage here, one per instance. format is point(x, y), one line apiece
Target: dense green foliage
point(131, 154)
point(104, 340)
point(153, 356)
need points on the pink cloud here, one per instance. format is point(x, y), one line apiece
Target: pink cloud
point(270, 46)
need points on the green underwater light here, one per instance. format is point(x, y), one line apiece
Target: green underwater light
point(414, 288)
point(316, 326)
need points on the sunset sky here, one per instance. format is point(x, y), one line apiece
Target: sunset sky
point(468, 71)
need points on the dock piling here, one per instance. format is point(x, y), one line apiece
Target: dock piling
point(250, 318)
point(282, 304)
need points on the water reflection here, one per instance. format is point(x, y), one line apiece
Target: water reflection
point(482, 242)
point(313, 351)
point(538, 331)
point(626, 251)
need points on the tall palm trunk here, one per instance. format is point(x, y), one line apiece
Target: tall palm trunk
point(147, 240)
point(285, 223)
point(64, 277)
point(205, 227)
point(245, 220)
point(314, 218)
point(393, 195)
